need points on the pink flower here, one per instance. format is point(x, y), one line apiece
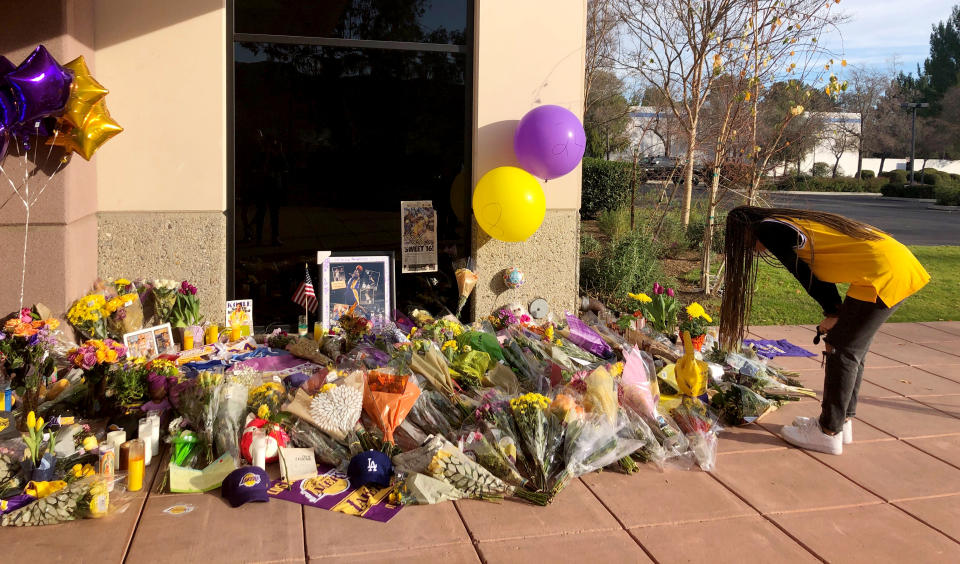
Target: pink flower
point(657, 288)
point(89, 360)
point(25, 316)
point(670, 292)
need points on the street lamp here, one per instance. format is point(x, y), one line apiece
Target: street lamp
point(913, 134)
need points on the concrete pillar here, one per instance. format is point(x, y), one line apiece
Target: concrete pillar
point(528, 54)
point(62, 243)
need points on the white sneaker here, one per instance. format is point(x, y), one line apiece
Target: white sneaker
point(810, 437)
point(847, 426)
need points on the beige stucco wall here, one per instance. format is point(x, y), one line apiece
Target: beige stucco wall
point(165, 64)
point(527, 54)
point(162, 182)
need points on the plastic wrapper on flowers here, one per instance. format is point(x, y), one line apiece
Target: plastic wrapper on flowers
point(229, 420)
point(701, 428)
point(325, 448)
point(639, 383)
point(541, 434)
point(388, 398)
point(60, 501)
point(442, 460)
point(496, 455)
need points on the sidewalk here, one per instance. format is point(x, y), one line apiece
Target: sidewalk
point(894, 495)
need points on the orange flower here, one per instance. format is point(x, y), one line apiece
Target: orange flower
point(10, 325)
point(24, 330)
point(53, 324)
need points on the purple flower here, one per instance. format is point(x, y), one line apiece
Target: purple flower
point(121, 314)
point(670, 292)
point(657, 288)
point(2, 335)
point(89, 359)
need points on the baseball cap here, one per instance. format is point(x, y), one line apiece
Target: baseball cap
point(247, 483)
point(370, 467)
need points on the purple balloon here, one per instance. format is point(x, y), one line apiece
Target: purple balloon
point(549, 142)
point(8, 110)
point(5, 66)
point(40, 85)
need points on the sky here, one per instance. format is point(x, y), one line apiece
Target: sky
point(881, 30)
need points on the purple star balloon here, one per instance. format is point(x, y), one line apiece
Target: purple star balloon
point(40, 85)
point(8, 110)
point(5, 66)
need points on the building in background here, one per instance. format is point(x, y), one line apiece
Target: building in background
point(258, 133)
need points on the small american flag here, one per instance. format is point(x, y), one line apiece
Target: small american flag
point(305, 295)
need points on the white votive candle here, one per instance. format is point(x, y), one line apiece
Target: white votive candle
point(155, 434)
point(116, 438)
point(258, 450)
point(146, 433)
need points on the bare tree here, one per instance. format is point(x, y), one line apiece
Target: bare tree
point(840, 138)
point(672, 45)
point(863, 97)
point(601, 48)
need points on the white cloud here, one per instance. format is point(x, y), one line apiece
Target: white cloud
point(879, 30)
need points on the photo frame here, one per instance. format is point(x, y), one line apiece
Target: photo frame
point(150, 342)
point(365, 280)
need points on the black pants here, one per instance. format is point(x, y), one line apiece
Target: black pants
point(850, 338)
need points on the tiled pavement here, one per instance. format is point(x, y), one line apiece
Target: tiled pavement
point(894, 495)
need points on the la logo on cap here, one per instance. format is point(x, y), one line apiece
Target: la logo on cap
point(371, 465)
point(249, 480)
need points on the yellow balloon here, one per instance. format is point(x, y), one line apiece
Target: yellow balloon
point(508, 203)
point(97, 129)
point(85, 91)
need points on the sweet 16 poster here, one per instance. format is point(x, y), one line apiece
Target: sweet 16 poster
point(418, 224)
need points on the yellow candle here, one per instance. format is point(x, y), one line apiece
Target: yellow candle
point(318, 331)
point(187, 340)
point(235, 333)
point(213, 334)
point(135, 465)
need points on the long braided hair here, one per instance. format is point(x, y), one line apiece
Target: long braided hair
point(740, 252)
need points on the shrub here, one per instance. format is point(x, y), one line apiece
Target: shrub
point(947, 195)
point(821, 170)
point(620, 267)
point(867, 175)
point(588, 244)
point(698, 226)
point(606, 186)
point(830, 184)
point(614, 223)
point(954, 176)
point(896, 176)
point(901, 191)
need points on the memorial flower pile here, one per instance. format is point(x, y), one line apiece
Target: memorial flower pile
point(504, 407)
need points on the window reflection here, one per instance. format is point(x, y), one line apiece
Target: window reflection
point(419, 21)
point(328, 142)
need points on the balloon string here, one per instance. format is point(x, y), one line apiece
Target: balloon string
point(47, 183)
point(23, 271)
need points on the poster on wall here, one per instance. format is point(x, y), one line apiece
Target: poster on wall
point(240, 312)
point(418, 224)
point(363, 281)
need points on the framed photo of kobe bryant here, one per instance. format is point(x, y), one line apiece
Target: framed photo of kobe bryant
point(364, 281)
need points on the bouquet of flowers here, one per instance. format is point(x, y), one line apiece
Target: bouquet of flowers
point(661, 311)
point(86, 497)
point(327, 450)
point(541, 433)
point(486, 450)
point(387, 399)
point(26, 358)
point(97, 358)
point(229, 420)
point(127, 384)
point(186, 307)
point(164, 298)
point(199, 403)
point(700, 427)
point(466, 281)
point(696, 324)
point(88, 315)
point(125, 312)
point(353, 327)
point(335, 409)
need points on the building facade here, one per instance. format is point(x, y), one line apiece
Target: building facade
point(248, 135)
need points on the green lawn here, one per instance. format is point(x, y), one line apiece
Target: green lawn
point(779, 299)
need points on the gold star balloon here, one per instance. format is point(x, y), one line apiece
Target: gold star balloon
point(96, 130)
point(85, 91)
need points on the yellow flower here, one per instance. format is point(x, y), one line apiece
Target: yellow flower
point(113, 305)
point(263, 412)
point(88, 470)
point(642, 298)
point(90, 443)
point(121, 282)
point(101, 356)
point(451, 344)
point(707, 317)
point(695, 310)
point(327, 387)
point(52, 324)
point(77, 470)
point(31, 420)
point(39, 426)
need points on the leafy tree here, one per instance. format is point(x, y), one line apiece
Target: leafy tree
point(607, 118)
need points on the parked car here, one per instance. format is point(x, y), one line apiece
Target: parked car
point(668, 168)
